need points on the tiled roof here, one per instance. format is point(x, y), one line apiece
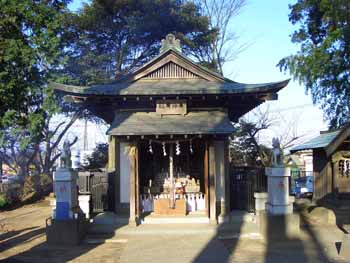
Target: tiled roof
point(151, 123)
point(321, 141)
point(171, 87)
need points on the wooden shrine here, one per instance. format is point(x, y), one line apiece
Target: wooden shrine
point(170, 123)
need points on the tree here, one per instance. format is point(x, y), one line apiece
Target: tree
point(223, 46)
point(110, 38)
point(245, 148)
point(323, 61)
point(31, 47)
point(98, 158)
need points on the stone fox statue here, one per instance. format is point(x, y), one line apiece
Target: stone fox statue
point(66, 155)
point(277, 153)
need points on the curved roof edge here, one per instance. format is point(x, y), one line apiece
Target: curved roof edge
point(147, 88)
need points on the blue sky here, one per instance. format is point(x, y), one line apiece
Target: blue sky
point(264, 26)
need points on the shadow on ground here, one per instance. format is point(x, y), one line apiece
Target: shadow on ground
point(228, 244)
point(278, 245)
point(32, 246)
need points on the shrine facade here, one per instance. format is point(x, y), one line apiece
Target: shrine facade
point(170, 124)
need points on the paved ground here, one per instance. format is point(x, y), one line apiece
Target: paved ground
point(22, 239)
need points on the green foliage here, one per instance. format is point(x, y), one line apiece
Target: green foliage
point(323, 61)
point(245, 149)
point(30, 47)
point(98, 158)
point(3, 201)
point(111, 38)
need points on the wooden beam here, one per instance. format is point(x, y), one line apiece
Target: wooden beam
point(212, 184)
point(171, 175)
point(137, 182)
point(117, 175)
point(206, 177)
point(132, 217)
point(111, 152)
point(227, 177)
point(270, 96)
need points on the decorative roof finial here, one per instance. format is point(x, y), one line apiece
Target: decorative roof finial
point(170, 42)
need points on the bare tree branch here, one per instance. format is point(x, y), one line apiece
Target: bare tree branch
point(224, 46)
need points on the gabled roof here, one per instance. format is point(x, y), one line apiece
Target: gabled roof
point(174, 65)
point(329, 141)
point(171, 73)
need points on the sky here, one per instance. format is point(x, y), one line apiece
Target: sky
point(264, 28)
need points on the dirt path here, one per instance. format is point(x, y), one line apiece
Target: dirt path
point(22, 239)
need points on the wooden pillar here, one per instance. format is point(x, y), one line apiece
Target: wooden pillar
point(137, 182)
point(133, 179)
point(117, 175)
point(212, 185)
point(227, 178)
point(171, 174)
point(206, 177)
point(335, 173)
point(114, 167)
point(111, 152)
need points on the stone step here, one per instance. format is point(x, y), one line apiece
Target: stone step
point(239, 216)
point(175, 220)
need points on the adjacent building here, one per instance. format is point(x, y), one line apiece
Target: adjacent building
point(331, 163)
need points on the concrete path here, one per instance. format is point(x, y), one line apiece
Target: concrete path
point(184, 243)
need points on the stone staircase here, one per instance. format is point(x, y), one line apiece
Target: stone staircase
point(108, 226)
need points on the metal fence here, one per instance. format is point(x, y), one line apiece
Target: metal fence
point(100, 186)
point(244, 182)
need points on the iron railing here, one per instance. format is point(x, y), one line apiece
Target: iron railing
point(244, 182)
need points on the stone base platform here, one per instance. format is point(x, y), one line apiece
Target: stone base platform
point(66, 232)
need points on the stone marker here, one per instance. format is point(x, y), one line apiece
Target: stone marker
point(65, 187)
point(68, 225)
point(278, 222)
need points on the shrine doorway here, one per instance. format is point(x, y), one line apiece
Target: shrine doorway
point(172, 178)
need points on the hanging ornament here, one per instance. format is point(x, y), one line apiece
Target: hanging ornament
point(164, 150)
point(178, 148)
point(150, 149)
point(191, 148)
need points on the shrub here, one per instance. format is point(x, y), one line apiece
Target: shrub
point(36, 186)
point(3, 201)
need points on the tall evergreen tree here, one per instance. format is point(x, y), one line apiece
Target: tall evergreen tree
point(323, 61)
point(30, 33)
point(110, 38)
point(30, 48)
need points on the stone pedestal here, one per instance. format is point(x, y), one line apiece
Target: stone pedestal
point(278, 221)
point(66, 232)
point(84, 204)
point(278, 191)
point(260, 201)
point(65, 187)
point(68, 225)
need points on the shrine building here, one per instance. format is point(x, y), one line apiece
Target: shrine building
point(169, 127)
